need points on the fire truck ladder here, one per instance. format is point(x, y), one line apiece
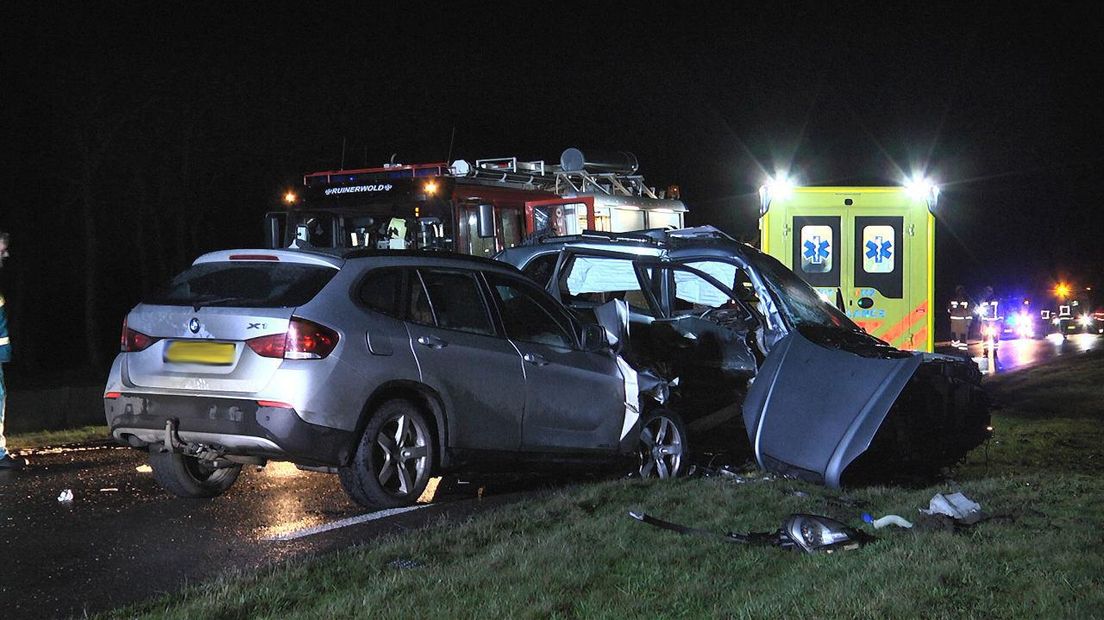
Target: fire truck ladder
point(539, 175)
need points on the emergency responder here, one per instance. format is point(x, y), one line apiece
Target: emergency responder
point(7, 461)
point(992, 322)
point(961, 317)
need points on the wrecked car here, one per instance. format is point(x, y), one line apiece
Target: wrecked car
point(746, 340)
point(386, 368)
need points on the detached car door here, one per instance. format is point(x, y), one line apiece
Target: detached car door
point(574, 399)
point(477, 373)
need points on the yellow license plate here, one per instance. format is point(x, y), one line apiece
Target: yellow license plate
point(200, 352)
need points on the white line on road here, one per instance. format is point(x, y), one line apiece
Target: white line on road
point(318, 529)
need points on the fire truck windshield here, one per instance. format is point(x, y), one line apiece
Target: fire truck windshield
point(378, 227)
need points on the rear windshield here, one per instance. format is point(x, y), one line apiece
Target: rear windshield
point(244, 285)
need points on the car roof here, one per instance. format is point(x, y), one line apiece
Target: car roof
point(701, 241)
point(338, 257)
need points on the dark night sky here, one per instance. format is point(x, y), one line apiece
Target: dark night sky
point(176, 125)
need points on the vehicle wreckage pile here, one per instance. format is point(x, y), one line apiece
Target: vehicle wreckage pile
point(733, 330)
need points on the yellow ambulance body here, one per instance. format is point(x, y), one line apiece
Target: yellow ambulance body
point(868, 250)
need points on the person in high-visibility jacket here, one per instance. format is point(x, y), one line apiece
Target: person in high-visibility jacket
point(7, 461)
point(961, 317)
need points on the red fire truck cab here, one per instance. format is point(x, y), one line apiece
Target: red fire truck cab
point(475, 209)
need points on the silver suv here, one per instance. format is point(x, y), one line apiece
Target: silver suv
point(384, 367)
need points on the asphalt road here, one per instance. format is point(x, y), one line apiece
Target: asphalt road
point(1021, 352)
point(121, 539)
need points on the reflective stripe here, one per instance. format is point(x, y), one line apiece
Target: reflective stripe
point(1, 301)
point(905, 324)
point(5, 340)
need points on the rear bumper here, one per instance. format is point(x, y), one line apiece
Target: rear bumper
point(234, 426)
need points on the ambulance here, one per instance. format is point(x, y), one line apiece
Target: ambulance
point(867, 250)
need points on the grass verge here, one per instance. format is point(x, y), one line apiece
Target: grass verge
point(574, 552)
point(57, 438)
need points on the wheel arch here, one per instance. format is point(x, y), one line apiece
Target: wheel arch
point(424, 397)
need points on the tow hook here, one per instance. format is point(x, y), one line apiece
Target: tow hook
point(172, 440)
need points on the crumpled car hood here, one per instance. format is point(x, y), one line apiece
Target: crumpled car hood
point(812, 410)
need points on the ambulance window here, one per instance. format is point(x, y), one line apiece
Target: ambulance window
point(816, 249)
point(878, 243)
point(880, 255)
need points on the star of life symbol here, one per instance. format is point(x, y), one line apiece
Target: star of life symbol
point(879, 249)
point(816, 249)
point(880, 254)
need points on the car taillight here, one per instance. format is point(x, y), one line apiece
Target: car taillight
point(268, 346)
point(304, 340)
point(307, 340)
point(133, 341)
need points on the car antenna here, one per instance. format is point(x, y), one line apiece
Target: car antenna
point(452, 139)
point(342, 167)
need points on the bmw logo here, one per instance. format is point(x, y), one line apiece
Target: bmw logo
point(194, 325)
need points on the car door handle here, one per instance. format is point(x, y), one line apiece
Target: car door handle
point(534, 359)
point(432, 342)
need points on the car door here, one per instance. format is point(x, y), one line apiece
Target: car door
point(477, 371)
point(574, 399)
point(704, 332)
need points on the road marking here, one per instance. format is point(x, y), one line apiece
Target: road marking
point(318, 529)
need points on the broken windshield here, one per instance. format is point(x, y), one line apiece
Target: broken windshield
point(797, 300)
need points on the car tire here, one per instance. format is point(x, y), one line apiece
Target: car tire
point(662, 447)
point(394, 459)
point(186, 476)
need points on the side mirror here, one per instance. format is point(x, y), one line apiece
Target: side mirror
point(486, 221)
point(595, 338)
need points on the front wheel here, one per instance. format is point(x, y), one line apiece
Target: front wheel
point(662, 447)
point(394, 459)
point(187, 476)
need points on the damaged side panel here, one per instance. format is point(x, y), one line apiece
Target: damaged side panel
point(813, 410)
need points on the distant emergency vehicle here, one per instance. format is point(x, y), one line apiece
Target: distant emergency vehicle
point(477, 209)
point(868, 250)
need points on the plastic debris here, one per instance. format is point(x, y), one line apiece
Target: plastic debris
point(65, 496)
point(956, 506)
point(881, 522)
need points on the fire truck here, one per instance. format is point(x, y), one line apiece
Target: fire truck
point(476, 208)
